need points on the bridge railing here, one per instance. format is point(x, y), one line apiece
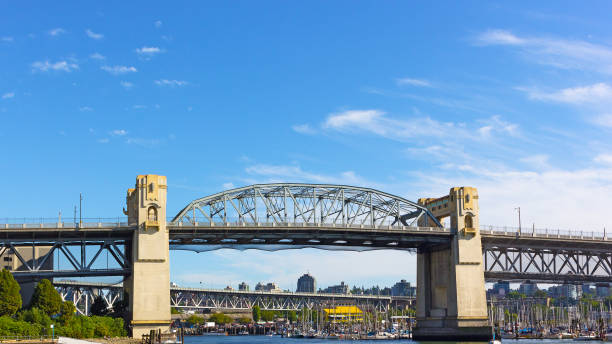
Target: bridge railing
point(238, 224)
point(544, 233)
point(50, 222)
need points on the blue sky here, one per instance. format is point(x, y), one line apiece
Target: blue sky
point(512, 98)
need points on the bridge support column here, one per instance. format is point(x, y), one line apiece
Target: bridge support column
point(451, 299)
point(148, 288)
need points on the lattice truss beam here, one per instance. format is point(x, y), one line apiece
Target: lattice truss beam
point(83, 296)
point(76, 257)
point(200, 300)
point(547, 265)
point(306, 203)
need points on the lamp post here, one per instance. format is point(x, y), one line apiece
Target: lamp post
point(519, 215)
point(52, 332)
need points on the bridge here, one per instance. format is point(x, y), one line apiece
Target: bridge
point(83, 294)
point(452, 262)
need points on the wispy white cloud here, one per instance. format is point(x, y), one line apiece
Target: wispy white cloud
point(148, 51)
point(116, 70)
point(499, 37)
point(495, 124)
point(171, 83)
point(127, 85)
point(56, 32)
point(603, 159)
point(60, 66)
point(147, 143)
point(158, 23)
point(118, 132)
point(405, 129)
point(584, 191)
point(279, 173)
point(285, 267)
point(103, 140)
point(85, 109)
point(593, 100)
point(97, 56)
point(303, 129)
point(413, 82)
point(560, 53)
point(594, 94)
point(537, 161)
point(93, 35)
point(8, 95)
point(139, 107)
point(228, 185)
point(603, 120)
point(7, 39)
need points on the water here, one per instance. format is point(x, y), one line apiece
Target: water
point(279, 340)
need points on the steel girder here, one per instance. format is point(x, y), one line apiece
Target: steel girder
point(557, 265)
point(80, 262)
point(222, 299)
point(82, 294)
point(305, 203)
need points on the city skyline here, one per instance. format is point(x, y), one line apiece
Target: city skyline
point(403, 98)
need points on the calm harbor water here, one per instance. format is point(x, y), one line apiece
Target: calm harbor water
point(279, 340)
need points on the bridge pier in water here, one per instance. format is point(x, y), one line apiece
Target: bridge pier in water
point(148, 287)
point(451, 299)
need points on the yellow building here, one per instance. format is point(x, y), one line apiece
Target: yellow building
point(344, 313)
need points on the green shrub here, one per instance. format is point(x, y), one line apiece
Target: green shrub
point(221, 319)
point(13, 327)
point(35, 316)
point(92, 327)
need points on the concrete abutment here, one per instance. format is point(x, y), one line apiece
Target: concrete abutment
point(451, 299)
point(148, 288)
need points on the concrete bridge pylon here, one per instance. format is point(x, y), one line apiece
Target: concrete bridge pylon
point(451, 299)
point(148, 287)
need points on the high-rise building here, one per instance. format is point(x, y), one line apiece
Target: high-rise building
point(243, 286)
point(337, 289)
point(306, 284)
point(271, 286)
point(568, 291)
point(403, 288)
point(602, 289)
point(528, 288)
point(501, 288)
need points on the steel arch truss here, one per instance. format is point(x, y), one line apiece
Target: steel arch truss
point(83, 256)
point(83, 296)
point(547, 265)
point(306, 204)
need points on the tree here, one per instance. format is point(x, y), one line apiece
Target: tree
point(244, 320)
point(256, 313)
point(46, 298)
point(98, 307)
point(220, 318)
point(292, 316)
point(540, 293)
point(267, 315)
point(10, 300)
point(195, 320)
point(121, 308)
point(67, 311)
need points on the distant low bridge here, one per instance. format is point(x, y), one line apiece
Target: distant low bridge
point(82, 294)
